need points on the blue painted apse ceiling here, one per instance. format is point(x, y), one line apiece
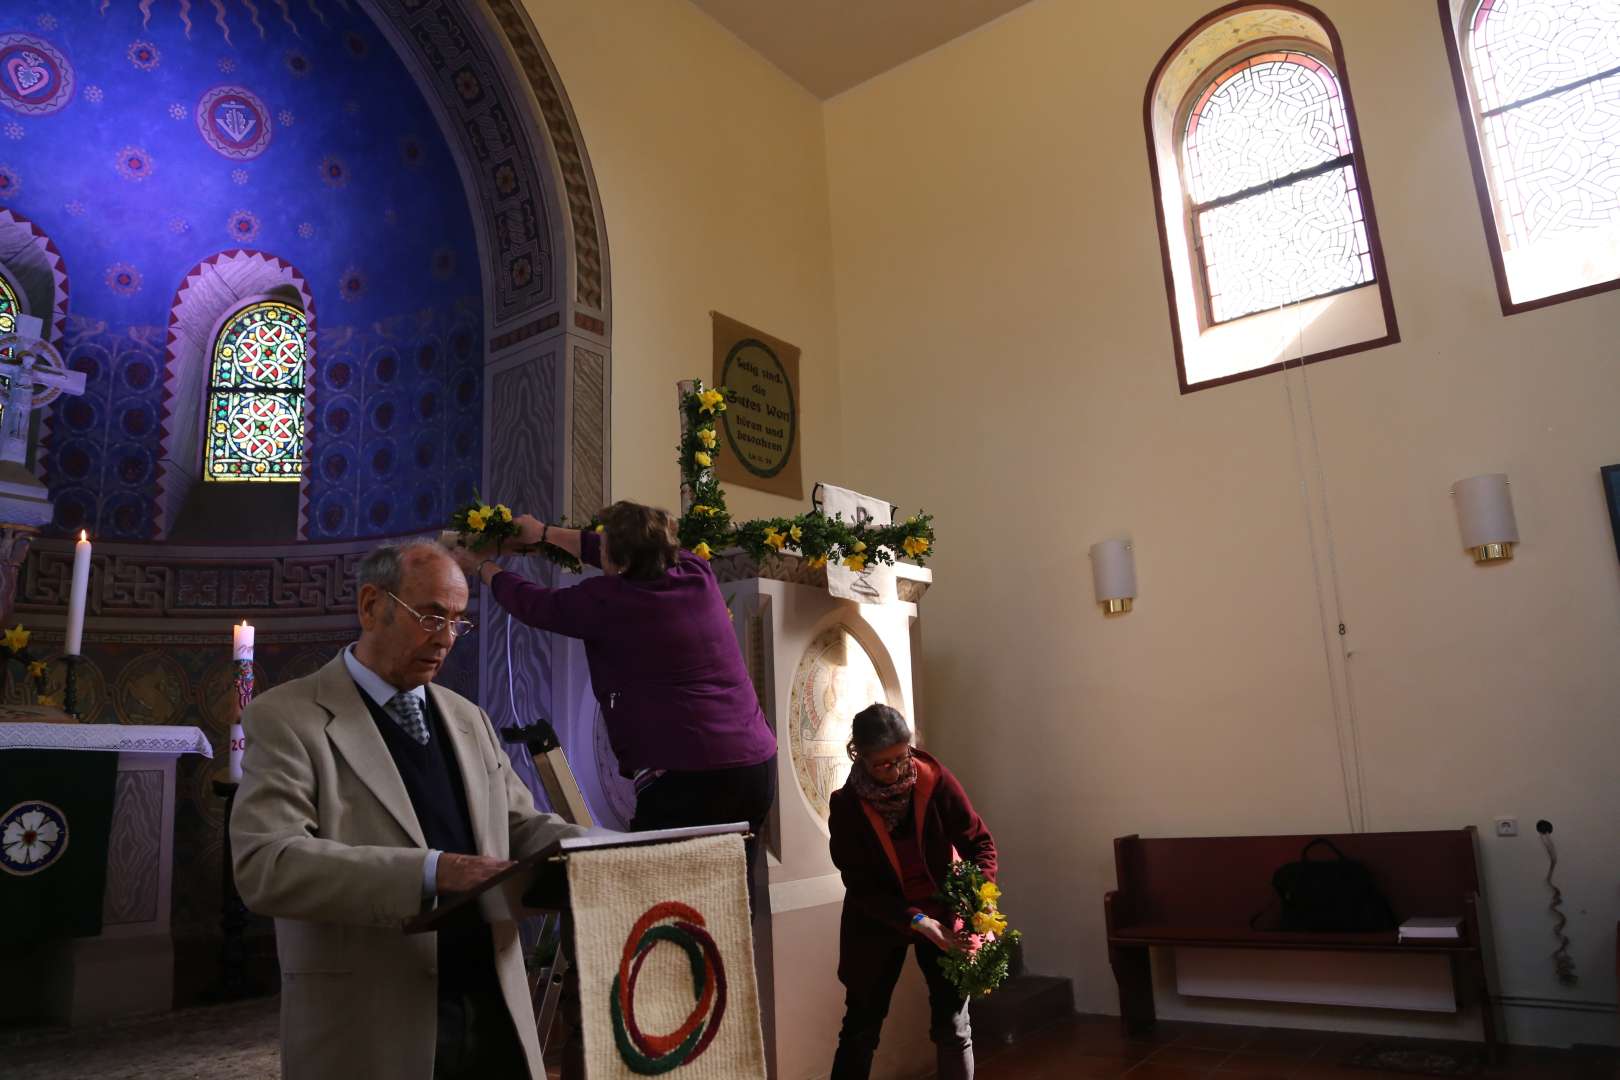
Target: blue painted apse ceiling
point(144, 137)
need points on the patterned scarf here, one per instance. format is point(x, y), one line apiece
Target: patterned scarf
point(891, 800)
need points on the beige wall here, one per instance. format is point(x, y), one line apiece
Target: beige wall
point(999, 353)
point(1004, 338)
point(712, 176)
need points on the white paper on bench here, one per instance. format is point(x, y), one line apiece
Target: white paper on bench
point(1419, 982)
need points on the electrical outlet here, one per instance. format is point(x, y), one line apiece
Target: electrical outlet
point(1507, 826)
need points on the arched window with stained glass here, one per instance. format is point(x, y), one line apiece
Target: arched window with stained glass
point(1271, 180)
point(255, 418)
point(1543, 77)
point(10, 307)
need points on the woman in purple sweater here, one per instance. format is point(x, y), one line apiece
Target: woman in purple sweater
point(681, 713)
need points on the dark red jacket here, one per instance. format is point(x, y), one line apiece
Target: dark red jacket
point(875, 906)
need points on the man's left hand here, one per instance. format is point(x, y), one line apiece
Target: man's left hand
point(464, 873)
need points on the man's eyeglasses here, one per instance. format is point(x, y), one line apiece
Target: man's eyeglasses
point(434, 623)
point(890, 766)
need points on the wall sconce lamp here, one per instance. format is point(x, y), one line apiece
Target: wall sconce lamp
point(1485, 516)
point(1113, 574)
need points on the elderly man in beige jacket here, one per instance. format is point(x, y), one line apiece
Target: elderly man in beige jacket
point(367, 792)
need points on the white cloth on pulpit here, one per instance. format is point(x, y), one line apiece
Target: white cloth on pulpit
point(666, 960)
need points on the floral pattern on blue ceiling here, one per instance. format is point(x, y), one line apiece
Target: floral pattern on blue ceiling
point(142, 139)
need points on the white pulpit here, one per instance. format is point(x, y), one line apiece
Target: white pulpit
point(129, 967)
point(816, 661)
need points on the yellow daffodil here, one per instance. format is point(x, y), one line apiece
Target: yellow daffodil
point(775, 539)
point(989, 892)
point(506, 515)
point(601, 528)
point(706, 437)
point(17, 638)
point(984, 923)
point(796, 534)
point(702, 550)
point(856, 563)
point(818, 562)
point(703, 459)
point(915, 545)
point(998, 923)
point(860, 546)
point(36, 670)
point(478, 518)
point(711, 401)
point(702, 510)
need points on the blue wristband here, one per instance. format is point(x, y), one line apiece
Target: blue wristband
point(918, 918)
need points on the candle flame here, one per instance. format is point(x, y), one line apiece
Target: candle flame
point(83, 536)
point(244, 622)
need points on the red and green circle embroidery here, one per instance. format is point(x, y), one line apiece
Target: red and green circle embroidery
point(682, 926)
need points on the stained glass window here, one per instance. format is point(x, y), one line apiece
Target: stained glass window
point(1271, 171)
point(10, 308)
point(1547, 85)
point(256, 396)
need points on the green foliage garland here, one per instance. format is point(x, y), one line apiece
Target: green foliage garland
point(707, 527)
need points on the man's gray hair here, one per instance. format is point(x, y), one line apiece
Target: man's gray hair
point(384, 567)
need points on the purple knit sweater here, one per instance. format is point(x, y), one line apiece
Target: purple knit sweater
point(664, 662)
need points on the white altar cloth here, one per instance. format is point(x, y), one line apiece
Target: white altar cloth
point(116, 738)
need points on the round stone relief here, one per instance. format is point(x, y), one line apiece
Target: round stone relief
point(836, 679)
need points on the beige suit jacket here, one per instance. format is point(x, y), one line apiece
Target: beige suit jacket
point(324, 839)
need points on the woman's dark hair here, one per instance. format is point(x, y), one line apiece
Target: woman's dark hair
point(877, 727)
point(641, 539)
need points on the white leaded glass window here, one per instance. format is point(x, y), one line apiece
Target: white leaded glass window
point(1270, 171)
point(1544, 78)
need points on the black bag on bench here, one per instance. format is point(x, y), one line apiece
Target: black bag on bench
point(1330, 896)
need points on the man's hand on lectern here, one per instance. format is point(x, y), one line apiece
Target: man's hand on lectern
point(464, 873)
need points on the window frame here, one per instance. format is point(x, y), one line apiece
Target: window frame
point(210, 387)
point(20, 298)
point(1391, 334)
point(1200, 91)
point(1471, 115)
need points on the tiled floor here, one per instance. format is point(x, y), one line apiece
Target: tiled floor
point(1095, 1047)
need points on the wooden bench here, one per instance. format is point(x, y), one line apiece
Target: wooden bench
point(1191, 892)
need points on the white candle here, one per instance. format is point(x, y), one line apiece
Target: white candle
point(76, 599)
point(241, 650)
point(242, 641)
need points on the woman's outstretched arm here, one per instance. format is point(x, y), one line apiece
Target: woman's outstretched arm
point(531, 530)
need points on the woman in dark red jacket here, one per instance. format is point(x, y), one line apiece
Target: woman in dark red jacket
point(896, 825)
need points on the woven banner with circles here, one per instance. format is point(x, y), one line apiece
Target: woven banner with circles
point(666, 961)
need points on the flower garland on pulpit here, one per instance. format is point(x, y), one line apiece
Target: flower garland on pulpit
point(14, 646)
point(706, 528)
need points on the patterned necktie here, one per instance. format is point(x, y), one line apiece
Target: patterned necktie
point(406, 709)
